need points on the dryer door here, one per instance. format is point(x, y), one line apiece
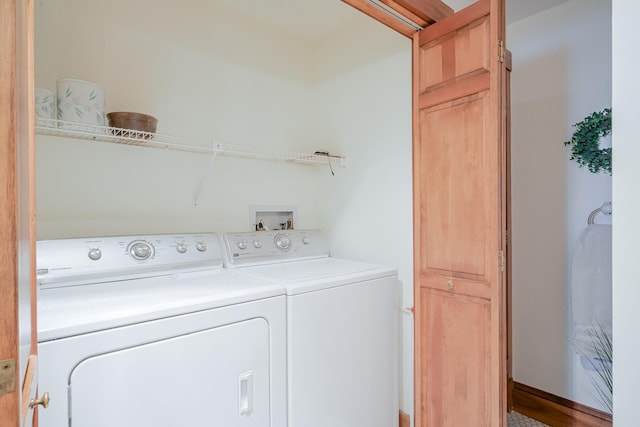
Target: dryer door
point(218, 376)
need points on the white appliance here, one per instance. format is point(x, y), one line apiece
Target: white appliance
point(342, 320)
point(152, 331)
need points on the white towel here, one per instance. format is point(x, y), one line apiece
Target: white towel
point(591, 286)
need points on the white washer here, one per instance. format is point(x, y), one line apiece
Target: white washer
point(342, 320)
point(152, 331)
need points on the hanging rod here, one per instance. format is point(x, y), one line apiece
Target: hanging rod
point(605, 209)
point(389, 11)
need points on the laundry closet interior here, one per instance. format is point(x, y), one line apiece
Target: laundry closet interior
point(209, 70)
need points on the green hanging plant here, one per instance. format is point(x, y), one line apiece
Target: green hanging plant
point(585, 142)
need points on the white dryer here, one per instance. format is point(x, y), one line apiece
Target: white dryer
point(152, 331)
point(342, 327)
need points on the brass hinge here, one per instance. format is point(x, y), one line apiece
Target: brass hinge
point(7, 376)
point(501, 50)
point(503, 260)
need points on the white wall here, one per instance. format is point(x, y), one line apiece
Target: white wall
point(209, 74)
point(626, 230)
point(561, 73)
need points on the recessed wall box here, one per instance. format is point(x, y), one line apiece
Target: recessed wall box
point(269, 217)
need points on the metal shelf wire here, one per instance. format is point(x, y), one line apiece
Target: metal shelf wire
point(153, 140)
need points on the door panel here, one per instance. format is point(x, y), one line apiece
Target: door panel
point(153, 384)
point(454, 217)
point(454, 371)
point(451, 55)
point(459, 219)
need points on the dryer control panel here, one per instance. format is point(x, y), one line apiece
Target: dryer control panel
point(69, 262)
point(262, 247)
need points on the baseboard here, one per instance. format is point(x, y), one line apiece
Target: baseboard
point(405, 420)
point(554, 410)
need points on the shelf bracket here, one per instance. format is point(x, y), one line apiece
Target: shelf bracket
point(205, 173)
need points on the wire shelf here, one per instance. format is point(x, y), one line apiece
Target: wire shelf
point(153, 140)
point(258, 153)
point(122, 136)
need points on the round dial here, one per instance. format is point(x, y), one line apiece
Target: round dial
point(257, 244)
point(241, 244)
point(94, 254)
point(201, 246)
point(282, 242)
point(306, 240)
point(181, 247)
point(140, 250)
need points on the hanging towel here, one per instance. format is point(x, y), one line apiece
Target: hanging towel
point(591, 287)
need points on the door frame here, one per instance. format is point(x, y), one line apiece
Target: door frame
point(18, 343)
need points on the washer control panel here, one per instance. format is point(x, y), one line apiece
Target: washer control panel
point(261, 247)
point(100, 259)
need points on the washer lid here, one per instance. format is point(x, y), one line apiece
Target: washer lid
point(311, 275)
point(68, 311)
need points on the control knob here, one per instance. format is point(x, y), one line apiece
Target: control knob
point(181, 247)
point(257, 244)
point(140, 250)
point(94, 254)
point(282, 242)
point(242, 244)
point(201, 246)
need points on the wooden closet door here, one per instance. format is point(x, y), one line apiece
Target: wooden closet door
point(18, 341)
point(459, 157)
